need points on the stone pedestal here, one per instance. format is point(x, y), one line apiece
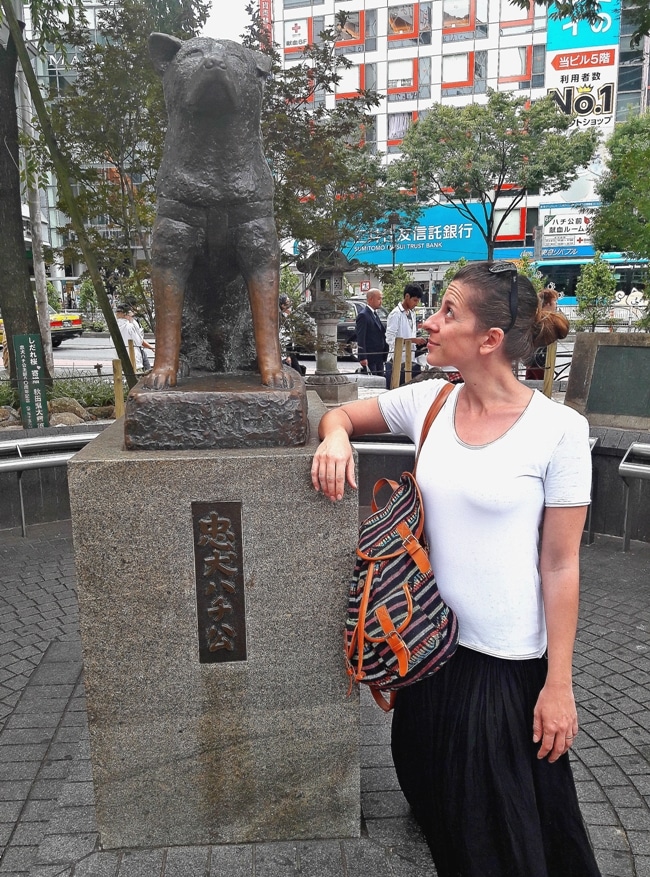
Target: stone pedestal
point(184, 557)
point(333, 389)
point(217, 411)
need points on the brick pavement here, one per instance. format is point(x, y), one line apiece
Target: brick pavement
point(47, 824)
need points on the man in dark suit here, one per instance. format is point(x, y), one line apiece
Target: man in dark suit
point(371, 335)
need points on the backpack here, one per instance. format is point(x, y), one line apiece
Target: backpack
point(398, 630)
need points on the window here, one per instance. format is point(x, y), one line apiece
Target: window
point(464, 74)
point(516, 64)
point(512, 19)
point(409, 25)
point(514, 227)
point(464, 20)
point(424, 77)
point(398, 125)
point(538, 68)
point(290, 3)
point(298, 33)
point(402, 74)
point(351, 82)
point(351, 31)
point(409, 79)
point(358, 33)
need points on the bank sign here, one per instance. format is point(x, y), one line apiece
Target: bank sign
point(440, 234)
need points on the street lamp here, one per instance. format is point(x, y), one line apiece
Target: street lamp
point(393, 224)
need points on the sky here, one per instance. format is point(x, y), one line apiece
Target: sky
point(227, 25)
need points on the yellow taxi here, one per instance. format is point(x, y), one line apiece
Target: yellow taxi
point(63, 325)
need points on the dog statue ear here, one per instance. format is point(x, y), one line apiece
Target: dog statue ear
point(163, 49)
point(263, 64)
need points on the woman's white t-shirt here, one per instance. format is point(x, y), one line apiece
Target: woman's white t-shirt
point(484, 506)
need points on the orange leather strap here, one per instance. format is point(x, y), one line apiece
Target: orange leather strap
point(433, 412)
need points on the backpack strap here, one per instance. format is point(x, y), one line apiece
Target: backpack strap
point(433, 412)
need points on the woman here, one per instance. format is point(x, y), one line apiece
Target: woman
point(480, 747)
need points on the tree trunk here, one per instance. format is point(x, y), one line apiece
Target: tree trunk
point(62, 172)
point(39, 274)
point(16, 296)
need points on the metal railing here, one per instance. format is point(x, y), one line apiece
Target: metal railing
point(27, 453)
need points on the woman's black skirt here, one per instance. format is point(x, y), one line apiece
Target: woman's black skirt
point(465, 759)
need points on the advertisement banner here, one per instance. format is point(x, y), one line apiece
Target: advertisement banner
point(563, 34)
point(584, 84)
point(566, 228)
point(440, 234)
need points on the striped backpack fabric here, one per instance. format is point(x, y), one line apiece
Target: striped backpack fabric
point(398, 629)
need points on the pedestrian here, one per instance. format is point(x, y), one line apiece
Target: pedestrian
point(480, 748)
point(131, 330)
point(371, 334)
point(402, 324)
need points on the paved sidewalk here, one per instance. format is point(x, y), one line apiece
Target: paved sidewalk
point(47, 824)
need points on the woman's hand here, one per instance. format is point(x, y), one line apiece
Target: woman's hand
point(333, 464)
point(555, 720)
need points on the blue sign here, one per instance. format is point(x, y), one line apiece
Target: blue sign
point(440, 234)
point(563, 34)
point(547, 252)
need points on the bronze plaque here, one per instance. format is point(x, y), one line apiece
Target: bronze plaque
point(219, 565)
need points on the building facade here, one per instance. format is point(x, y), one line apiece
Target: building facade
point(452, 52)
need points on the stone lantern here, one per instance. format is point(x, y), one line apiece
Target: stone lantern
point(327, 268)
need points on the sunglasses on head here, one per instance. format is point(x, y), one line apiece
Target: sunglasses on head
point(513, 300)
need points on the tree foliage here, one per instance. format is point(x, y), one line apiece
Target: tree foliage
point(487, 156)
point(393, 287)
point(112, 119)
point(595, 292)
point(330, 187)
point(622, 222)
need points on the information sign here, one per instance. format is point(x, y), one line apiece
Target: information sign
point(30, 373)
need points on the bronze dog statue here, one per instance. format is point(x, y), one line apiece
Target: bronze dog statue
point(214, 216)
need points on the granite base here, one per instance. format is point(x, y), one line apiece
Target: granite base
point(184, 752)
point(333, 389)
point(205, 411)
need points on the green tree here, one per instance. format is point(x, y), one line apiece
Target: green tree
point(62, 25)
point(393, 288)
point(595, 292)
point(112, 119)
point(16, 297)
point(330, 186)
point(622, 222)
point(453, 269)
point(486, 157)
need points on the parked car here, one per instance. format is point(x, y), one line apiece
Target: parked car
point(303, 329)
point(63, 325)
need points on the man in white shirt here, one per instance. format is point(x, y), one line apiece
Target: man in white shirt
point(131, 330)
point(402, 324)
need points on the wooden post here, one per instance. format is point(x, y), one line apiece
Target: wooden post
point(118, 388)
point(549, 369)
point(408, 365)
point(397, 363)
point(132, 353)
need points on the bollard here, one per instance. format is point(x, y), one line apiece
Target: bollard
point(118, 388)
point(549, 369)
point(397, 363)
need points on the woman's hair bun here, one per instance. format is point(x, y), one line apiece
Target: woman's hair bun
point(550, 324)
